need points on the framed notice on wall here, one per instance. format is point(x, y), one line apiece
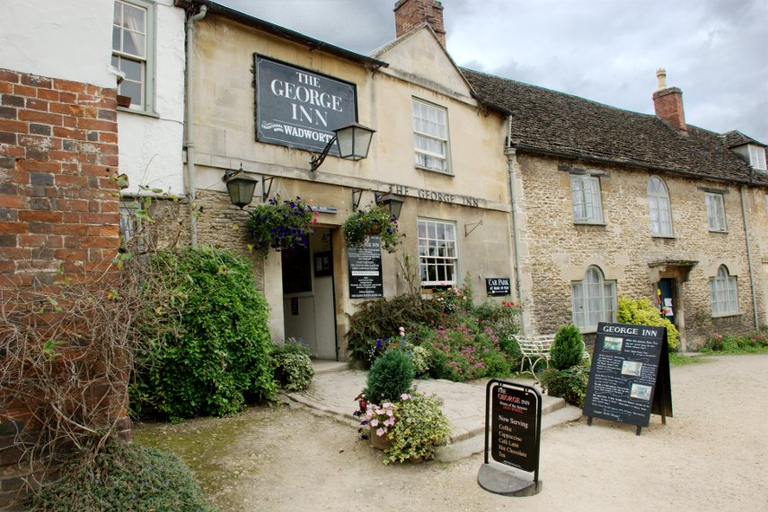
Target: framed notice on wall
point(629, 378)
point(365, 280)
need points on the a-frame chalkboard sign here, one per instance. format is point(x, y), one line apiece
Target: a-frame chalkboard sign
point(629, 378)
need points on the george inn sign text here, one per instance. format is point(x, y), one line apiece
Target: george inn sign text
point(299, 108)
point(432, 195)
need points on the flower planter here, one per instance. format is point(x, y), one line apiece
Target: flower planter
point(379, 442)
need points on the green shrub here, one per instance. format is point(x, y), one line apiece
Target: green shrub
point(567, 348)
point(123, 478)
point(754, 341)
point(419, 427)
point(381, 318)
point(642, 312)
point(466, 352)
point(504, 318)
point(420, 357)
point(207, 337)
point(390, 377)
point(570, 384)
point(292, 365)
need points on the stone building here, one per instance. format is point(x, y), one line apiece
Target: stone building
point(266, 99)
point(614, 203)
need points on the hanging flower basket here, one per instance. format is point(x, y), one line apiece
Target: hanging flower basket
point(374, 220)
point(281, 225)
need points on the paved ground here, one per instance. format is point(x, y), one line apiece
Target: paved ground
point(711, 456)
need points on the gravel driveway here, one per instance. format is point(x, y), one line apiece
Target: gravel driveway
point(710, 457)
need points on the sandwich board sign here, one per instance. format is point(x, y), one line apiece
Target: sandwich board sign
point(629, 379)
point(512, 439)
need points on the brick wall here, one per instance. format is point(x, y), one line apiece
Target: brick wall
point(410, 14)
point(58, 209)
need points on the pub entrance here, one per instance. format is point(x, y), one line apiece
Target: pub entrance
point(308, 295)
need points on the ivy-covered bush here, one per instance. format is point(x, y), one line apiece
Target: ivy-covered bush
point(642, 312)
point(383, 317)
point(207, 337)
point(390, 377)
point(292, 365)
point(420, 426)
point(570, 384)
point(567, 348)
point(123, 478)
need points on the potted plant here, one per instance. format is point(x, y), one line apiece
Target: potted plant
point(281, 225)
point(419, 427)
point(374, 220)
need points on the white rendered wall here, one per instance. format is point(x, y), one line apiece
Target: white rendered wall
point(66, 39)
point(151, 144)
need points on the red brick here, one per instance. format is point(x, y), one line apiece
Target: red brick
point(69, 86)
point(69, 133)
point(110, 160)
point(37, 104)
point(24, 90)
point(96, 124)
point(40, 117)
point(6, 88)
point(11, 202)
point(110, 231)
point(48, 94)
point(69, 122)
point(73, 242)
point(40, 216)
point(33, 240)
point(64, 156)
point(7, 125)
point(70, 218)
point(66, 109)
point(9, 76)
point(72, 205)
point(98, 218)
point(6, 267)
point(64, 180)
point(108, 137)
point(36, 81)
point(12, 151)
point(71, 229)
point(13, 228)
point(96, 170)
point(34, 165)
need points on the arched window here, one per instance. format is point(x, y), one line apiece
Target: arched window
point(594, 300)
point(660, 210)
point(724, 293)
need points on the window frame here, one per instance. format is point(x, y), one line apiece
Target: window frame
point(437, 261)
point(444, 141)
point(586, 217)
point(658, 200)
point(757, 157)
point(723, 283)
point(147, 62)
point(583, 296)
point(715, 206)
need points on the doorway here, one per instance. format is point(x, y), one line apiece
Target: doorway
point(667, 299)
point(308, 295)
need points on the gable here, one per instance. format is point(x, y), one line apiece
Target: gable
point(419, 57)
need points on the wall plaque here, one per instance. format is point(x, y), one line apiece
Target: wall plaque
point(365, 279)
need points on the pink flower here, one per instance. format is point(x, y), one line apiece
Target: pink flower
point(405, 396)
point(374, 422)
point(380, 432)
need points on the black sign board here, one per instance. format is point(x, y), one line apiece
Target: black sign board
point(498, 286)
point(299, 108)
point(365, 279)
point(629, 378)
point(512, 438)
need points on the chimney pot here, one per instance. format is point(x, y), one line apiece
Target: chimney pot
point(661, 76)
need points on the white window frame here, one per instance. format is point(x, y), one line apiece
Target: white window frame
point(587, 204)
point(724, 293)
point(146, 61)
point(757, 157)
point(430, 128)
point(659, 207)
point(593, 300)
point(438, 252)
point(716, 220)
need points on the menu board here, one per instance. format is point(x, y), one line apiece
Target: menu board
point(514, 426)
point(365, 280)
point(629, 378)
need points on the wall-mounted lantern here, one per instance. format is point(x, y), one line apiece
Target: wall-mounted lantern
point(240, 187)
point(392, 202)
point(353, 140)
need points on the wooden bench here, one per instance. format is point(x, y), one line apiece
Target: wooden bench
point(537, 348)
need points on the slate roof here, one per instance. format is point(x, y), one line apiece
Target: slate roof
point(551, 122)
point(736, 138)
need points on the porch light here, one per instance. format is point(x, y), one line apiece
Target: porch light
point(392, 202)
point(240, 187)
point(353, 140)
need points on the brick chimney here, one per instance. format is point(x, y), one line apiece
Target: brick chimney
point(410, 14)
point(668, 103)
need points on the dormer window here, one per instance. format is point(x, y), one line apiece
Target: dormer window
point(757, 157)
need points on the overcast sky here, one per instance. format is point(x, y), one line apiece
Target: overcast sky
point(608, 51)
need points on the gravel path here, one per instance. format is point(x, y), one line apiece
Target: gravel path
point(710, 457)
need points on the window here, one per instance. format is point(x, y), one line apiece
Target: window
point(585, 193)
point(723, 292)
point(594, 300)
point(131, 40)
point(430, 136)
point(715, 211)
point(438, 258)
point(660, 210)
point(757, 157)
